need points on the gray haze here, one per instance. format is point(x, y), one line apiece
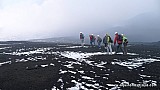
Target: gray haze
point(36, 19)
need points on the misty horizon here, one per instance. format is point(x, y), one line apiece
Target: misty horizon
point(39, 19)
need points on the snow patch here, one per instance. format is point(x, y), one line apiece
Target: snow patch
point(77, 47)
point(144, 75)
point(77, 56)
point(7, 62)
point(44, 65)
point(77, 86)
point(4, 48)
point(86, 77)
point(135, 63)
point(37, 51)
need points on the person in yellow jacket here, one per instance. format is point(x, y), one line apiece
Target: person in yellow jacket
point(108, 43)
point(125, 42)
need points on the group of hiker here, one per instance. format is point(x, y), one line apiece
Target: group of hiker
point(120, 41)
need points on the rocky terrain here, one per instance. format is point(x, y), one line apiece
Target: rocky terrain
point(53, 66)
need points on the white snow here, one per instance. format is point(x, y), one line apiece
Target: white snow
point(62, 45)
point(69, 66)
point(127, 53)
point(39, 50)
point(78, 86)
point(101, 65)
point(111, 85)
point(77, 55)
point(4, 44)
point(60, 80)
point(72, 72)
point(86, 77)
point(31, 59)
point(54, 88)
point(44, 65)
point(82, 72)
point(7, 62)
point(62, 72)
point(144, 75)
point(4, 48)
point(115, 88)
point(21, 60)
point(77, 47)
point(51, 64)
point(81, 57)
point(134, 63)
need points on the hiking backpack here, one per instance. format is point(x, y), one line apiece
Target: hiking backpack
point(81, 36)
point(99, 39)
point(120, 37)
point(125, 41)
point(110, 40)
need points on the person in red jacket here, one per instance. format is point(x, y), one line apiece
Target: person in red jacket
point(92, 39)
point(118, 40)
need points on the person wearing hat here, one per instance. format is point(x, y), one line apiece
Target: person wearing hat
point(108, 43)
point(82, 39)
point(118, 40)
point(92, 39)
point(99, 40)
point(125, 42)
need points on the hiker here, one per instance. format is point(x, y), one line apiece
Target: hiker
point(118, 40)
point(82, 39)
point(92, 39)
point(125, 42)
point(99, 40)
point(108, 43)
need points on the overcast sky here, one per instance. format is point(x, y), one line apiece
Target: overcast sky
point(33, 19)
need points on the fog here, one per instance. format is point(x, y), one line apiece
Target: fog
point(36, 19)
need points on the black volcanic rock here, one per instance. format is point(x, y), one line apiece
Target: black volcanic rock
point(41, 65)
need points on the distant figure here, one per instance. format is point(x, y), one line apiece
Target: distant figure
point(99, 40)
point(108, 43)
point(125, 42)
point(92, 39)
point(118, 39)
point(82, 39)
